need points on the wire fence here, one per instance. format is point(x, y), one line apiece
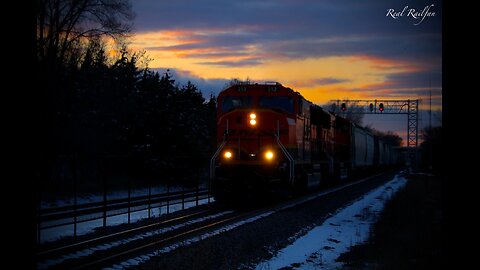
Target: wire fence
point(83, 194)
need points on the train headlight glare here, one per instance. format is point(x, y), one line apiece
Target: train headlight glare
point(228, 155)
point(269, 155)
point(253, 122)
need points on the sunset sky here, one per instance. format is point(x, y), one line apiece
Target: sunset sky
point(323, 49)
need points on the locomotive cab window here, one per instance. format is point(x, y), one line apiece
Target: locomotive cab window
point(230, 103)
point(277, 103)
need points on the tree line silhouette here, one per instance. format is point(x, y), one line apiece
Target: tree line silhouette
point(100, 109)
point(100, 102)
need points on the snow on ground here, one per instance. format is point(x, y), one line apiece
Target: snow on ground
point(56, 233)
point(321, 246)
point(318, 249)
point(143, 258)
point(91, 250)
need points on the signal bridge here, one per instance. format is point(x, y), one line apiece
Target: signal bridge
point(384, 106)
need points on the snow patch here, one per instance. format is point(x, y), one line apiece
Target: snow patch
point(85, 227)
point(91, 250)
point(141, 259)
point(320, 247)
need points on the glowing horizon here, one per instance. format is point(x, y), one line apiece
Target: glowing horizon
point(319, 79)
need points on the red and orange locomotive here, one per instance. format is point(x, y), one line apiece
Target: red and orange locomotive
point(270, 138)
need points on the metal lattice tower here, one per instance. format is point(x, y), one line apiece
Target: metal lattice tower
point(408, 107)
point(412, 135)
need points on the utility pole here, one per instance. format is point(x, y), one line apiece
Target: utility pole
point(430, 128)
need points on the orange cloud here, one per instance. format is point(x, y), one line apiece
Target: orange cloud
point(320, 79)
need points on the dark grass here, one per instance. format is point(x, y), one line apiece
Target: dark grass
point(410, 232)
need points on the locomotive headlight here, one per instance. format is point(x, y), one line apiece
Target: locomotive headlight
point(228, 155)
point(253, 122)
point(269, 155)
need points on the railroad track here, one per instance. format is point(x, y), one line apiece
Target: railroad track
point(134, 246)
point(80, 253)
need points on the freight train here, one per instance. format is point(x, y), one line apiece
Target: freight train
point(271, 139)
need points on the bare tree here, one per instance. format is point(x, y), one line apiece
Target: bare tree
point(353, 112)
point(237, 81)
point(62, 23)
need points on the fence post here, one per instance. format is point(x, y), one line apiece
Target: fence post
point(196, 192)
point(149, 195)
point(209, 189)
point(39, 210)
point(39, 226)
point(129, 195)
point(183, 197)
point(168, 197)
point(75, 195)
point(104, 177)
point(160, 204)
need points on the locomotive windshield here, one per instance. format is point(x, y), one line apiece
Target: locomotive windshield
point(230, 103)
point(277, 102)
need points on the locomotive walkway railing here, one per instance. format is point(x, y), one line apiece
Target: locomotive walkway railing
point(212, 160)
point(289, 157)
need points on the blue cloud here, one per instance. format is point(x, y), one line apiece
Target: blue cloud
point(239, 63)
point(326, 81)
point(206, 86)
point(299, 29)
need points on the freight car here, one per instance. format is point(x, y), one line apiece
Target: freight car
point(271, 139)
